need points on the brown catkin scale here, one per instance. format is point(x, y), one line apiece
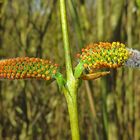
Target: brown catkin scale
point(104, 55)
point(25, 67)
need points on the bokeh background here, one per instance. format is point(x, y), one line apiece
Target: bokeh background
point(109, 108)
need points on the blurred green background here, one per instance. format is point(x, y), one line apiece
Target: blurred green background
point(109, 108)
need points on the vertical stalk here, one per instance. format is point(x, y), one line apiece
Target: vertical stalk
point(70, 89)
point(73, 112)
point(72, 107)
point(81, 39)
point(65, 38)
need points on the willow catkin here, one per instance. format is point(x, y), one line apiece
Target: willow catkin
point(104, 55)
point(25, 67)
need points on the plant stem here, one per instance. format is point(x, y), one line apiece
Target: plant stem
point(71, 86)
point(72, 107)
point(65, 38)
point(73, 112)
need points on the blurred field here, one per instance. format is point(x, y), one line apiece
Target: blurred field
point(109, 107)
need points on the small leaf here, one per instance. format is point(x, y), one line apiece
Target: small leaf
point(60, 81)
point(78, 70)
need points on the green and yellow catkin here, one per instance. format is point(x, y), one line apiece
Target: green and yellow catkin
point(104, 55)
point(25, 67)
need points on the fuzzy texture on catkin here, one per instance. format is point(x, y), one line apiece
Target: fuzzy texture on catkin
point(25, 67)
point(134, 59)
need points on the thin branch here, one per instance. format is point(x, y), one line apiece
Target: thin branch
point(69, 71)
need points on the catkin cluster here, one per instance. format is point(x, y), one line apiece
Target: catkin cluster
point(104, 55)
point(25, 67)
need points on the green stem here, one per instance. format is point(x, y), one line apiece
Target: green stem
point(70, 87)
point(72, 107)
point(73, 112)
point(65, 38)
